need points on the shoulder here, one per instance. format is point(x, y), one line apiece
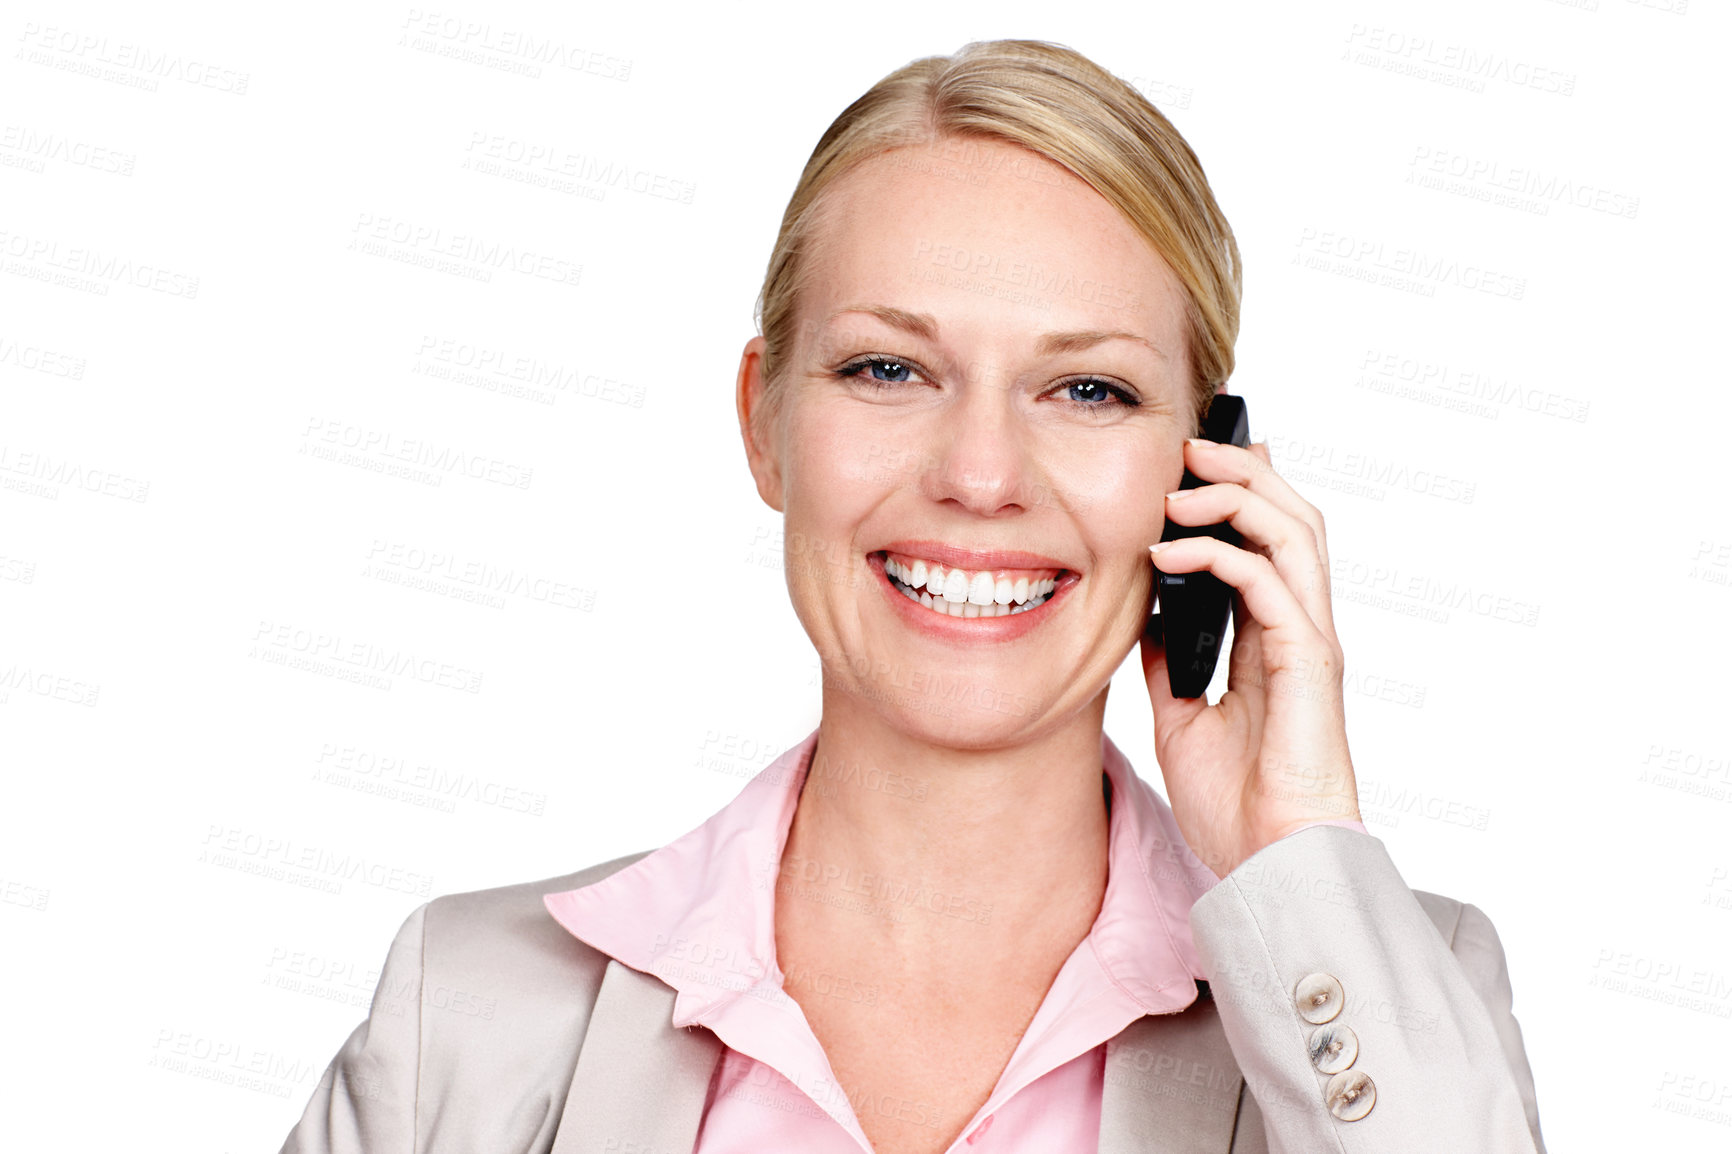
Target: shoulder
point(508, 908)
point(504, 1002)
point(480, 1011)
point(488, 948)
point(1470, 936)
point(1474, 941)
point(1445, 913)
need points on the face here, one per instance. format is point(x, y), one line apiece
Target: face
point(987, 399)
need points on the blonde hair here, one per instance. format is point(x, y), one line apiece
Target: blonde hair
point(1062, 106)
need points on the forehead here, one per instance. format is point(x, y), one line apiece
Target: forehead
point(986, 235)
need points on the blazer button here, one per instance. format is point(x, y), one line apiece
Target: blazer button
point(1318, 998)
point(1350, 1095)
point(1334, 1047)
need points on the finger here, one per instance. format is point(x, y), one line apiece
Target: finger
point(1290, 640)
point(1245, 678)
point(1289, 542)
point(1215, 461)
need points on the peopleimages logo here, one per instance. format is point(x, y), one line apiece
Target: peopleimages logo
point(273, 642)
point(283, 859)
point(425, 244)
point(93, 55)
point(39, 255)
point(385, 445)
point(1369, 259)
point(1454, 65)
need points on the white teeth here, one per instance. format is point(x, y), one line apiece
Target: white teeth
point(959, 593)
point(956, 585)
point(954, 594)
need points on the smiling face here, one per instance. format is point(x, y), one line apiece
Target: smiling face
point(987, 397)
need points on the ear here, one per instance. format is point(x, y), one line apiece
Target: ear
point(749, 403)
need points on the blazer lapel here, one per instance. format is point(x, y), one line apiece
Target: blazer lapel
point(1172, 1086)
point(640, 1083)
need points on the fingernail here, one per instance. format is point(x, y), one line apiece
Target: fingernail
point(1177, 494)
point(1199, 441)
point(1158, 548)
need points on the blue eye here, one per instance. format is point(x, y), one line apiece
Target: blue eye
point(1087, 393)
point(884, 370)
point(1094, 394)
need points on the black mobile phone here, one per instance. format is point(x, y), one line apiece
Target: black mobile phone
point(1192, 610)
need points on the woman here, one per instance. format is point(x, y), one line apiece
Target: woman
point(953, 917)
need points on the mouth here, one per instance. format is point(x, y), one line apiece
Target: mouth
point(954, 591)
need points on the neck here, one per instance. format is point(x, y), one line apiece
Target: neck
point(949, 848)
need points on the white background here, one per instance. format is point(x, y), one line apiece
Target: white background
point(168, 535)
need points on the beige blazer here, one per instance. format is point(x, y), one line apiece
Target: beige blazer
point(493, 1030)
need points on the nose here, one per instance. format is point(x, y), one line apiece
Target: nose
point(984, 452)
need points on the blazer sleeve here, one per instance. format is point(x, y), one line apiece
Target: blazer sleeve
point(1316, 951)
point(365, 1102)
point(1478, 948)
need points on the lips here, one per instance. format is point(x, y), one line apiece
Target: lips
point(952, 582)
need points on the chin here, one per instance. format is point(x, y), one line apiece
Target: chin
point(952, 712)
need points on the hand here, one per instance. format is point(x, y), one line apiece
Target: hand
point(1271, 755)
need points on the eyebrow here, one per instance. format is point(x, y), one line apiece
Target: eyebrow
point(925, 326)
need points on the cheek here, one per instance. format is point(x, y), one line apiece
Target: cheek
point(833, 474)
point(1118, 493)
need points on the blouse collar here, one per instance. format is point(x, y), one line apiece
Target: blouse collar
point(698, 913)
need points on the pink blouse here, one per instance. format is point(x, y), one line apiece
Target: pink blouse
point(699, 914)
